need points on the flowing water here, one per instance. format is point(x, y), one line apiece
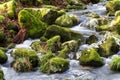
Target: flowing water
point(76, 71)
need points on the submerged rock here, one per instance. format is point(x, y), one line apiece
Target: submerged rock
point(90, 57)
point(9, 7)
point(115, 63)
point(108, 47)
point(67, 20)
point(35, 28)
point(26, 53)
point(91, 39)
point(22, 65)
point(56, 64)
point(3, 57)
point(65, 33)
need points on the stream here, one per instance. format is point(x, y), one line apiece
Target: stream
point(76, 71)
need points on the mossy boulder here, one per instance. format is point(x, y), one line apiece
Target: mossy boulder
point(3, 57)
point(10, 8)
point(72, 45)
point(108, 47)
point(90, 57)
point(22, 65)
point(51, 45)
point(33, 25)
point(26, 53)
point(115, 63)
point(117, 13)
point(67, 20)
point(1, 75)
point(65, 33)
point(91, 39)
point(51, 16)
point(56, 64)
point(64, 52)
point(103, 28)
point(112, 6)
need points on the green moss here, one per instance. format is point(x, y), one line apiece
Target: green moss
point(108, 47)
point(22, 65)
point(2, 19)
point(72, 45)
point(103, 28)
point(113, 6)
point(54, 65)
point(67, 20)
point(10, 7)
point(91, 39)
point(50, 17)
point(1, 75)
point(34, 26)
point(31, 2)
point(27, 53)
point(2, 36)
point(53, 44)
point(65, 33)
point(64, 52)
point(90, 57)
point(115, 64)
point(117, 13)
point(3, 57)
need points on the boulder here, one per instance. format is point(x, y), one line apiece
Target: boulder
point(90, 57)
point(9, 7)
point(35, 28)
point(2, 75)
point(115, 63)
point(26, 53)
point(65, 33)
point(108, 47)
point(22, 65)
point(91, 39)
point(112, 6)
point(3, 57)
point(56, 64)
point(67, 20)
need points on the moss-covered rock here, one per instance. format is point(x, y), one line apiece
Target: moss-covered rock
point(117, 13)
point(33, 25)
point(22, 65)
point(67, 20)
point(90, 57)
point(113, 6)
point(103, 28)
point(64, 52)
point(56, 64)
point(27, 53)
point(108, 47)
point(50, 17)
point(10, 8)
point(3, 57)
point(72, 45)
point(91, 39)
point(1, 75)
point(115, 63)
point(65, 33)
point(53, 44)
